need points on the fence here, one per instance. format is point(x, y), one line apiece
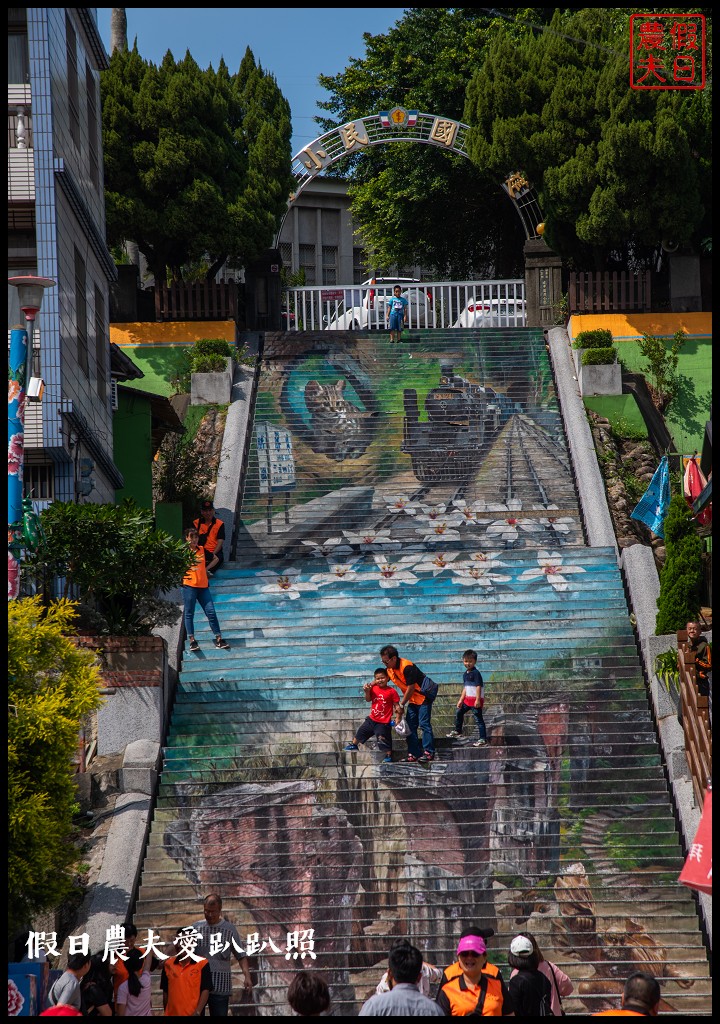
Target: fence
point(696, 721)
point(431, 304)
point(204, 300)
point(610, 292)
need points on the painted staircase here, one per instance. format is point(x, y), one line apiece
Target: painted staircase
point(427, 501)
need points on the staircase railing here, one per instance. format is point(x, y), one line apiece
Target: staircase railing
point(696, 721)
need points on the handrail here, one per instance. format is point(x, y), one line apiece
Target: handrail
point(431, 304)
point(696, 720)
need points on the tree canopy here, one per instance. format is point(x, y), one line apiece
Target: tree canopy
point(545, 92)
point(617, 170)
point(115, 558)
point(413, 203)
point(197, 163)
point(51, 686)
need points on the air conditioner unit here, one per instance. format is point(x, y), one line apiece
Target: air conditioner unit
point(113, 394)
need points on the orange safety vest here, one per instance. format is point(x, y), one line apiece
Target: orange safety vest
point(183, 986)
point(197, 575)
point(620, 1013)
point(487, 1000)
point(208, 534)
point(398, 677)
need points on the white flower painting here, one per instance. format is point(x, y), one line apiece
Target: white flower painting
point(286, 583)
point(551, 569)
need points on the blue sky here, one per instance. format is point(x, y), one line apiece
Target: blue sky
point(295, 44)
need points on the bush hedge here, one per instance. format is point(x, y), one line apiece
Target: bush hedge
point(598, 356)
point(601, 337)
point(681, 575)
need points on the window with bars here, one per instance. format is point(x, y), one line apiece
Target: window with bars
point(39, 481)
point(81, 310)
point(73, 84)
point(92, 126)
point(307, 263)
point(286, 254)
point(101, 344)
point(329, 264)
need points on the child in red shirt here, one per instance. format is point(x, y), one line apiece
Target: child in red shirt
point(384, 707)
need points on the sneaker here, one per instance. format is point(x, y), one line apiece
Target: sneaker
point(351, 746)
point(193, 645)
point(222, 645)
point(409, 759)
point(387, 760)
point(454, 735)
point(426, 758)
point(480, 743)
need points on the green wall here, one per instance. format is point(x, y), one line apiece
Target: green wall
point(132, 447)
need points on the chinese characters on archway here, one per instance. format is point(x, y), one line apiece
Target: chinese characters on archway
point(667, 51)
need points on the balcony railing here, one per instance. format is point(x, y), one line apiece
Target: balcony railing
point(431, 304)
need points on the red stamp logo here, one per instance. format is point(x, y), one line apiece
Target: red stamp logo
point(667, 51)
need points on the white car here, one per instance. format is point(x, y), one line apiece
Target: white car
point(492, 313)
point(366, 306)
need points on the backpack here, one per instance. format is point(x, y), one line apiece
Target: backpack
point(429, 688)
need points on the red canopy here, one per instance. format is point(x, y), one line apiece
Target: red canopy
point(697, 873)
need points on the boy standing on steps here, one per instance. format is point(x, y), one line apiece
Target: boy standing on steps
point(397, 313)
point(472, 699)
point(385, 700)
point(196, 589)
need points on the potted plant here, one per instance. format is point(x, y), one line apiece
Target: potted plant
point(598, 371)
point(211, 368)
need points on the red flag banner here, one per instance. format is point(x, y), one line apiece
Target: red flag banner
point(697, 873)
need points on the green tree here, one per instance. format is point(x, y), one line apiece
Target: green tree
point(616, 170)
point(681, 575)
point(114, 558)
point(51, 686)
point(660, 366)
point(414, 203)
point(197, 163)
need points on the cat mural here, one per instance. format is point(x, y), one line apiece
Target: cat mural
point(338, 428)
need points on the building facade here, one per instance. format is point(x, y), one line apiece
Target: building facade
point(56, 229)
point(318, 236)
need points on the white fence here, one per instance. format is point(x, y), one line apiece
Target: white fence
point(431, 304)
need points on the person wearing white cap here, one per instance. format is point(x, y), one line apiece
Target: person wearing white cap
point(530, 988)
point(560, 983)
point(480, 990)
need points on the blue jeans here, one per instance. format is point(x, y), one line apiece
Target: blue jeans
point(479, 720)
point(419, 715)
point(201, 596)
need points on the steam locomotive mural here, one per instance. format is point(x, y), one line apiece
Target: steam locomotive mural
point(462, 420)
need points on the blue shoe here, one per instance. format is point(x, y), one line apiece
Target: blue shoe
point(387, 760)
point(352, 746)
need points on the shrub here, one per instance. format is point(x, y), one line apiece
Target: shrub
point(661, 367)
point(208, 364)
point(598, 356)
point(601, 337)
point(213, 347)
point(114, 557)
point(681, 575)
point(52, 685)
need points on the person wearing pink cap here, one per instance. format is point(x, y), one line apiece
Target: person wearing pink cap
point(479, 990)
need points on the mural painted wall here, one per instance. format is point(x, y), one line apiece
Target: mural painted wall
point(421, 495)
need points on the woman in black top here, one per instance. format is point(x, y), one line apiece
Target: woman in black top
point(530, 988)
point(97, 989)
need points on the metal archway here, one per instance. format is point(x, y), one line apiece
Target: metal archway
point(401, 125)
